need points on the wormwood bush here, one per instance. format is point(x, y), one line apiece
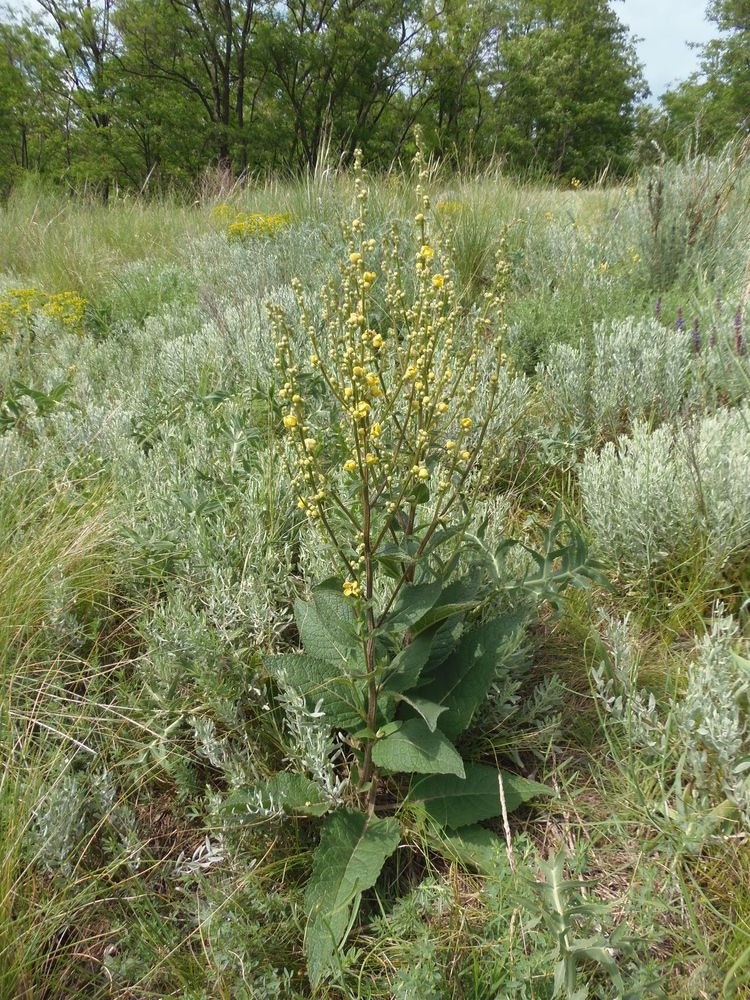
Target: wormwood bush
point(664, 495)
point(631, 370)
point(701, 742)
point(389, 399)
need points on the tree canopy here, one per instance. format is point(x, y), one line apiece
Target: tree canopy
point(121, 91)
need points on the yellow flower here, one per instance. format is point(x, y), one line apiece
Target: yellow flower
point(438, 281)
point(310, 443)
point(314, 360)
point(370, 458)
point(450, 445)
point(368, 277)
point(426, 252)
point(466, 455)
point(358, 370)
point(350, 465)
point(442, 407)
point(290, 421)
point(296, 398)
point(361, 410)
point(376, 430)
point(301, 503)
point(355, 258)
point(466, 423)
point(377, 341)
point(351, 588)
point(424, 473)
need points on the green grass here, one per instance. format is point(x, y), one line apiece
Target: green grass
point(152, 552)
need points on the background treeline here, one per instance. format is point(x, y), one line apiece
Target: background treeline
point(136, 92)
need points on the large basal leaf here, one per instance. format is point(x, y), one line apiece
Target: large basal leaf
point(413, 748)
point(341, 698)
point(474, 847)
point(352, 851)
point(456, 802)
point(462, 681)
point(296, 794)
point(327, 625)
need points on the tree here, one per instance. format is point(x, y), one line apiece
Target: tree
point(202, 51)
point(337, 65)
point(570, 85)
point(713, 105)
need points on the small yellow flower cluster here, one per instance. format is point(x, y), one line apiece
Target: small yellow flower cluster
point(575, 183)
point(250, 226)
point(392, 352)
point(67, 308)
point(222, 213)
point(449, 207)
point(19, 305)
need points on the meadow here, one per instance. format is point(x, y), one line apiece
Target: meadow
point(542, 395)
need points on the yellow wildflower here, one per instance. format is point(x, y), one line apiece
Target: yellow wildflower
point(350, 465)
point(351, 588)
point(438, 281)
point(290, 421)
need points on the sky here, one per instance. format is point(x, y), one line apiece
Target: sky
point(666, 27)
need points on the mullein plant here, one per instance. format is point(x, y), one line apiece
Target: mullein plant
point(395, 659)
point(390, 397)
point(403, 397)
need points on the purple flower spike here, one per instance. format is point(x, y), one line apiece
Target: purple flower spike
point(695, 336)
point(680, 324)
point(739, 340)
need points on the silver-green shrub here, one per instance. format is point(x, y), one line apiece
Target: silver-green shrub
point(700, 743)
point(631, 370)
point(667, 494)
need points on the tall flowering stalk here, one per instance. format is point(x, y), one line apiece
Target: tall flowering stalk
point(412, 388)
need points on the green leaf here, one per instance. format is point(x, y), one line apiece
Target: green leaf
point(457, 802)
point(327, 625)
point(455, 600)
point(341, 697)
point(429, 710)
point(352, 851)
point(474, 848)
point(462, 681)
point(414, 748)
point(413, 601)
point(296, 794)
point(405, 668)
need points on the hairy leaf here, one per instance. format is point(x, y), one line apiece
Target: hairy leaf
point(352, 851)
point(327, 625)
point(414, 748)
point(457, 802)
point(462, 681)
point(321, 683)
point(296, 794)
